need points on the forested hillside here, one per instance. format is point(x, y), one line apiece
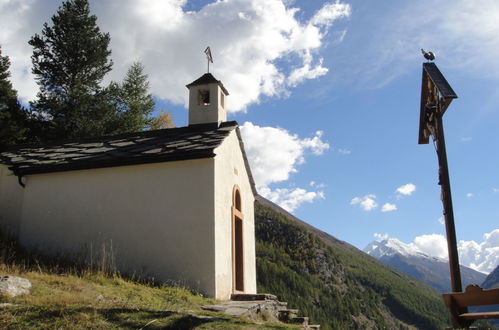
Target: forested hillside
point(335, 284)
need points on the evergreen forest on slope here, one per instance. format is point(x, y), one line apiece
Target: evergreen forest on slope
point(335, 284)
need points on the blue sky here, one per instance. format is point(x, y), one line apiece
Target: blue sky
point(327, 94)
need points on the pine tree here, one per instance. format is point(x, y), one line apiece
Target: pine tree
point(70, 59)
point(133, 101)
point(13, 118)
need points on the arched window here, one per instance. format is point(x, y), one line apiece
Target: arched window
point(237, 200)
point(237, 242)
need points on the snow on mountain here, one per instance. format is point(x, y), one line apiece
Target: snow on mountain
point(410, 259)
point(392, 246)
point(482, 256)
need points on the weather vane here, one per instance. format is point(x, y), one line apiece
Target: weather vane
point(207, 51)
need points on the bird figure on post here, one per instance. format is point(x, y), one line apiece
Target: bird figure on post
point(430, 56)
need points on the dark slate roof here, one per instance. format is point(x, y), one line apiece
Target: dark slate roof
point(207, 78)
point(191, 142)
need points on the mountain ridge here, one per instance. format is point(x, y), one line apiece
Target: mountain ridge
point(492, 280)
point(391, 246)
point(409, 260)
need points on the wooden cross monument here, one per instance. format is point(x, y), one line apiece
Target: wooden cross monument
point(436, 96)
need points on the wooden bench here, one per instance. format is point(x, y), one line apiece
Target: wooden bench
point(458, 304)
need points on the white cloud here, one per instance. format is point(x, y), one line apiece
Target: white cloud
point(380, 237)
point(330, 12)
point(480, 256)
point(248, 38)
point(307, 72)
point(367, 203)
point(433, 244)
point(290, 199)
point(274, 155)
point(495, 190)
point(406, 189)
point(466, 139)
point(469, 195)
point(315, 144)
point(441, 220)
point(388, 207)
point(19, 20)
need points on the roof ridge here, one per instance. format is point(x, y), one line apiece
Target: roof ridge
point(103, 138)
point(188, 142)
point(207, 78)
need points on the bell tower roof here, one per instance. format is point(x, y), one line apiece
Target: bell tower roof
point(205, 79)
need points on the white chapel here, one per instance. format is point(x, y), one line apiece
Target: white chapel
point(173, 204)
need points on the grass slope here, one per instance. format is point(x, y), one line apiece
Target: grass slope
point(96, 301)
point(335, 284)
point(66, 295)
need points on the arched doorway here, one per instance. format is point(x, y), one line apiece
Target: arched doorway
point(237, 242)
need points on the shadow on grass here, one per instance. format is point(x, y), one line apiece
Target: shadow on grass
point(130, 318)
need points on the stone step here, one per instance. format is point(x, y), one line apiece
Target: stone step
point(252, 297)
point(285, 315)
point(248, 304)
point(289, 311)
point(302, 320)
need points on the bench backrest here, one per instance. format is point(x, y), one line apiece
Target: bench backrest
point(473, 296)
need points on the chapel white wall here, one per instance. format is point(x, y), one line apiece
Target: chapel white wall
point(158, 218)
point(230, 170)
point(11, 198)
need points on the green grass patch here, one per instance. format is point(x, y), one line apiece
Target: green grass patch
point(111, 302)
point(69, 295)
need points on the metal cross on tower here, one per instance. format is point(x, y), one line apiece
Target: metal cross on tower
point(209, 58)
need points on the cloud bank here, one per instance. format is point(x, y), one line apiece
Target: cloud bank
point(480, 256)
point(274, 154)
point(250, 39)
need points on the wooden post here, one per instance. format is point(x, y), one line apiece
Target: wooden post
point(444, 182)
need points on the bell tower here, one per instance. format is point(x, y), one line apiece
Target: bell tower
point(207, 100)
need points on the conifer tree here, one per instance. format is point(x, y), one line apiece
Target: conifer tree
point(132, 100)
point(70, 59)
point(13, 118)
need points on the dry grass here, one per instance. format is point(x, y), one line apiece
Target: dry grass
point(68, 295)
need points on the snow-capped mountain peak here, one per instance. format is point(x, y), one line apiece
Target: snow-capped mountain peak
point(392, 246)
point(410, 259)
